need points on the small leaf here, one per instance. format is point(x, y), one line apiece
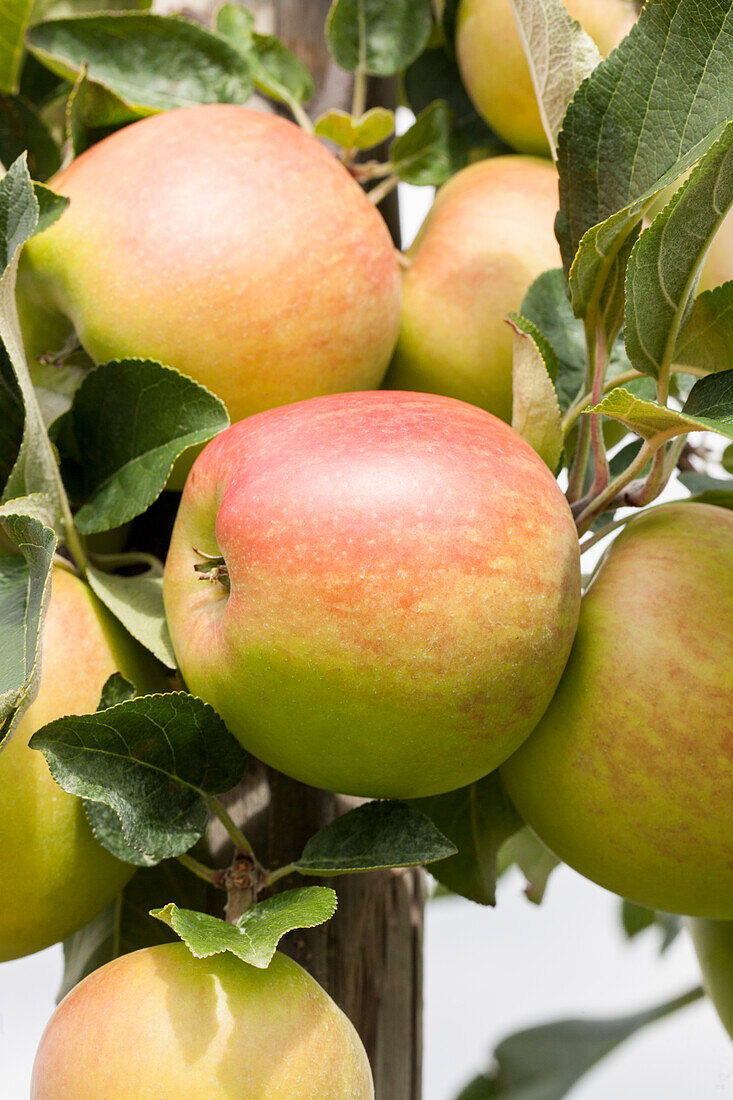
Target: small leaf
point(25, 589)
point(706, 339)
point(666, 260)
point(255, 936)
point(129, 421)
point(545, 1062)
point(371, 837)
point(535, 861)
point(560, 55)
point(276, 71)
point(429, 152)
point(356, 133)
point(138, 603)
point(12, 418)
point(150, 62)
point(477, 819)
point(709, 490)
point(637, 918)
point(708, 408)
point(377, 37)
point(535, 410)
point(153, 760)
point(21, 128)
point(126, 925)
point(116, 690)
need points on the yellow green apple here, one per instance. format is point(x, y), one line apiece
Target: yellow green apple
point(713, 940)
point(224, 242)
point(494, 67)
point(396, 590)
point(160, 1023)
point(54, 876)
point(488, 236)
point(629, 775)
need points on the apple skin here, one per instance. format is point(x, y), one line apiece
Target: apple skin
point(226, 243)
point(494, 67)
point(713, 940)
point(404, 590)
point(160, 1022)
point(55, 877)
point(488, 236)
point(629, 776)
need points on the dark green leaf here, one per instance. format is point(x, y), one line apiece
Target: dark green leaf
point(153, 759)
point(709, 490)
point(150, 62)
point(666, 260)
point(129, 421)
point(435, 76)
point(107, 828)
point(373, 836)
point(126, 925)
point(378, 37)
point(255, 936)
point(137, 602)
point(25, 588)
point(116, 690)
point(477, 820)
point(276, 71)
point(21, 128)
point(545, 1062)
point(429, 152)
point(12, 417)
point(706, 339)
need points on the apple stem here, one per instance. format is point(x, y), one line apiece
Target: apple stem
point(242, 881)
point(212, 569)
point(380, 192)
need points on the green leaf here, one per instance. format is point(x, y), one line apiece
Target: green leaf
point(153, 760)
point(25, 210)
point(477, 819)
point(255, 936)
point(708, 408)
point(129, 422)
point(545, 1062)
point(126, 924)
point(706, 339)
point(709, 490)
point(560, 55)
point(12, 418)
point(15, 15)
point(25, 589)
point(434, 76)
point(137, 602)
point(276, 71)
point(535, 410)
point(625, 138)
point(637, 918)
point(429, 152)
point(356, 133)
point(150, 62)
point(372, 837)
point(21, 128)
point(107, 828)
point(377, 37)
point(535, 861)
point(116, 690)
point(666, 260)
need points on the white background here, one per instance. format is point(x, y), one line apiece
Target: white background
point(489, 972)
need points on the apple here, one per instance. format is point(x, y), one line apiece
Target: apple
point(488, 236)
point(494, 67)
point(629, 775)
point(159, 1022)
point(713, 940)
point(226, 243)
point(54, 876)
point(396, 590)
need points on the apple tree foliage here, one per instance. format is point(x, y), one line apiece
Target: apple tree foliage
point(619, 333)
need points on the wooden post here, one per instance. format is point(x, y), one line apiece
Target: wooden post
point(369, 956)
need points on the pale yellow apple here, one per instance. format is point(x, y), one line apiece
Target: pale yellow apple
point(487, 237)
point(494, 68)
point(54, 876)
point(160, 1023)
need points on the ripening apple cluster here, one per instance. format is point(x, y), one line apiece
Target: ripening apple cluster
point(396, 609)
